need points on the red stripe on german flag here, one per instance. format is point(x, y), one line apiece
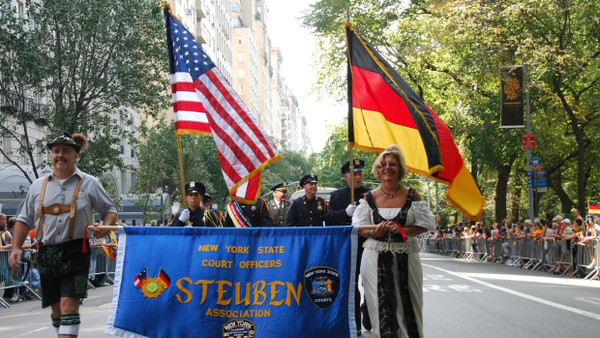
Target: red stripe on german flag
point(594, 207)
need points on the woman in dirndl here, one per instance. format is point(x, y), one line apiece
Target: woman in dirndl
point(390, 268)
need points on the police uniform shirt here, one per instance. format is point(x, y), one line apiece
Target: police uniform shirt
point(257, 214)
point(213, 218)
point(196, 218)
point(91, 196)
point(279, 211)
point(306, 212)
point(338, 201)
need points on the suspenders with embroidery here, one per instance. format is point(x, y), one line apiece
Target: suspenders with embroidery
point(57, 209)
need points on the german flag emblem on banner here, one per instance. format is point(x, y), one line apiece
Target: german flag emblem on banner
point(384, 110)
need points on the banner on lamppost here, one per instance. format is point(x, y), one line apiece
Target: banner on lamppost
point(511, 78)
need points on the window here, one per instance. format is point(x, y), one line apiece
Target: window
point(6, 147)
point(132, 153)
point(132, 180)
point(122, 149)
point(20, 9)
point(241, 56)
point(241, 73)
point(123, 182)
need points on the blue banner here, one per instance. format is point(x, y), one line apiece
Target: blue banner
point(232, 282)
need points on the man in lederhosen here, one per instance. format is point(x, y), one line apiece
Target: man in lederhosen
point(194, 214)
point(279, 206)
point(60, 205)
point(308, 210)
point(339, 212)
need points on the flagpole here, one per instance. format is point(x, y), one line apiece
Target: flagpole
point(350, 125)
point(351, 149)
point(180, 153)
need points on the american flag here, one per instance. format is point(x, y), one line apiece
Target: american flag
point(140, 278)
point(202, 95)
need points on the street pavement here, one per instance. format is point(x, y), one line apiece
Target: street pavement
point(462, 299)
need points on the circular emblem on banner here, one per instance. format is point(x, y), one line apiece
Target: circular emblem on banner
point(322, 284)
point(239, 328)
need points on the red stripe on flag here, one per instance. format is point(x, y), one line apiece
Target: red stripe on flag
point(188, 106)
point(182, 86)
point(378, 96)
point(192, 125)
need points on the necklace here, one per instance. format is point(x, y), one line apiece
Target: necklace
point(390, 195)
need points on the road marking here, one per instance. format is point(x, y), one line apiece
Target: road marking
point(595, 301)
point(519, 294)
point(30, 332)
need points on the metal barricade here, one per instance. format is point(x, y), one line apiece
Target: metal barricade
point(19, 280)
point(566, 257)
point(534, 254)
point(481, 249)
point(594, 265)
point(102, 266)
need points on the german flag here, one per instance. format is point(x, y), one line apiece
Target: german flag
point(162, 275)
point(594, 207)
point(384, 110)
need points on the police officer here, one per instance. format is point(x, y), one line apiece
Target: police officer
point(212, 217)
point(194, 213)
point(340, 212)
point(341, 209)
point(279, 206)
point(242, 215)
point(308, 210)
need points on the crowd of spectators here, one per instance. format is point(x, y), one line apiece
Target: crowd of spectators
point(556, 246)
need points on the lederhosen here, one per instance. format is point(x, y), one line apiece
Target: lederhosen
point(71, 257)
point(388, 324)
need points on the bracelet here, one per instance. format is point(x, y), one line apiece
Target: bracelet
point(369, 234)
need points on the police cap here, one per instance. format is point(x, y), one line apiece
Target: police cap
point(207, 198)
point(359, 165)
point(310, 178)
point(283, 186)
point(194, 188)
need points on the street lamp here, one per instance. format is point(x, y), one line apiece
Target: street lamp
point(162, 210)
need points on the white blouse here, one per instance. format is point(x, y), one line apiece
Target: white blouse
point(418, 215)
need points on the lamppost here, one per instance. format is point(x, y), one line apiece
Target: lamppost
point(162, 210)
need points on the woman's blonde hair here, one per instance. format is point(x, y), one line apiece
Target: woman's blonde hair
point(395, 151)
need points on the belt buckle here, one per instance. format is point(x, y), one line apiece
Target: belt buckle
point(56, 210)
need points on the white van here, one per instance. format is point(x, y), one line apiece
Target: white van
point(323, 192)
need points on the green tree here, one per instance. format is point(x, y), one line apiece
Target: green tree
point(94, 64)
point(159, 166)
